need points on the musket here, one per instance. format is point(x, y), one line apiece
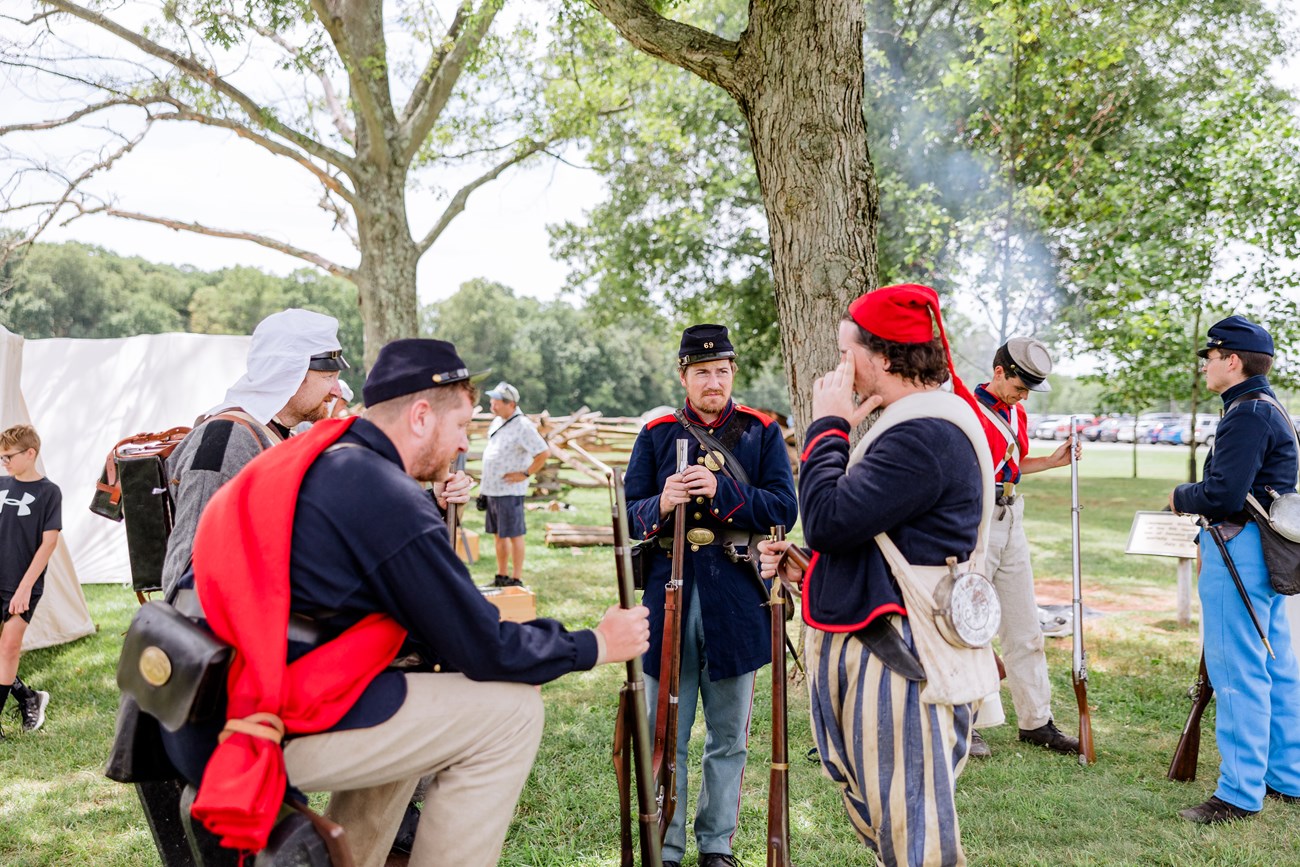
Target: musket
point(453, 509)
point(778, 785)
point(1182, 768)
point(632, 725)
point(1079, 660)
point(1236, 579)
point(670, 667)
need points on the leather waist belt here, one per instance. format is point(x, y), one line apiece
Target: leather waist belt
point(888, 646)
point(302, 630)
point(702, 537)
point(1006, 493)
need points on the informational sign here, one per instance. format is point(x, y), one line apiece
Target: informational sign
point(1163, 534)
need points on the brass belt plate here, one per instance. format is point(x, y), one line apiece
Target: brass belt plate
point(699, 536)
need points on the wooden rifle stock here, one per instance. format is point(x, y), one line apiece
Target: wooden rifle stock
point(778, 786)
point(670, 667)
point(1182, 768)
point(1079, 660)
point(453, 509)
point(632, 725)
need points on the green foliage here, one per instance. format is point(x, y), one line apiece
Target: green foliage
point(560, 358)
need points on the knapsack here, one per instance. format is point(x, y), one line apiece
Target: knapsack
point(134, 487)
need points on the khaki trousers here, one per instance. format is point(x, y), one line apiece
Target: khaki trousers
point(1021, 634)
point(477, 741)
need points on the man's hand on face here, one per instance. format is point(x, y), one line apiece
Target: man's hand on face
point(833, 395)
point(626, 632)
point(456, 489)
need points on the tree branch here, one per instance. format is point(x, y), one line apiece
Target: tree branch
point(372, 102)
point(439, 78)
point(332, 101)
point(270, 243)
point(705, 54)
point(72, 118)
point(209, 77)
point(331, 182)
point(457, 203)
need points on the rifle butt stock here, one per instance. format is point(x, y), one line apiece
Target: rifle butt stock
point(1182, 768)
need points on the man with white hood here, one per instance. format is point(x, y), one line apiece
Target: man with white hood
point(293, 376)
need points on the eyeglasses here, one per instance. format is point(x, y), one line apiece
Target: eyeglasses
point(4, 459)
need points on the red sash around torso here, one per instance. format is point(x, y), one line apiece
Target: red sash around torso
point(241, 573)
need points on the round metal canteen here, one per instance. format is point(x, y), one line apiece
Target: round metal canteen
point(1284, 514)
point(967, 607)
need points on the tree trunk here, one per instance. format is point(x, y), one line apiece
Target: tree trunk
point(800, 71)
point(385, 277)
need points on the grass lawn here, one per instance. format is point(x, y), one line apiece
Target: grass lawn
point(1022, 807)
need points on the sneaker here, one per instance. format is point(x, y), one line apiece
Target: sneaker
point(717, 859)
point(32, 710)
point(501, 581)
point(1270, 792)
point(1215, 812)
point(1048, 735)
point(979, 749)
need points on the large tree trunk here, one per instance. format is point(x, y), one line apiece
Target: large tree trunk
point(385, 277)
point(802, 65)
point(797, 74)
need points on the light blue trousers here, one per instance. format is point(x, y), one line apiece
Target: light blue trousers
point(1257, 698)
point(727, 710)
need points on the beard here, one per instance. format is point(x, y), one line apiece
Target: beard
point(431, 465)
point(712, 402)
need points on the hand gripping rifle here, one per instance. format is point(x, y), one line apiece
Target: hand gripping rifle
point(632, 725)
point(1183, 767)
point(454, 526)
point(1079, 660)
point(670, 667)
point(778, 786)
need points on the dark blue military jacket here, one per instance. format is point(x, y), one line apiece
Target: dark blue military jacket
point(737, 628)
point(368, 538)
point(1254, 447)
point(919, 482)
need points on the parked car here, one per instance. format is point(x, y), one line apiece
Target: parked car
point(1173, 433)
point(1112, 429)
point(1148, 421)
point(1206, 425)
point(1104, 430)
point(1046, 429)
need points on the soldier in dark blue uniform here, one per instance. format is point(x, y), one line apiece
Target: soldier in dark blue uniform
point(1257, 723)
point(734, 491)
point(367, 541)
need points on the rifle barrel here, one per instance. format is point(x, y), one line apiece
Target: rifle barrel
point(1079, 657)
point(778, 787)
point(632, 699)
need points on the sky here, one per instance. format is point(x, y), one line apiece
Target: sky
point(502, 235)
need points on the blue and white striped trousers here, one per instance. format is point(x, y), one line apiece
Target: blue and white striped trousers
point(895, 758)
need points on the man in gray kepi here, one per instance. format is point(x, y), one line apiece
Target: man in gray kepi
point(514, 452)
point(1020, 366)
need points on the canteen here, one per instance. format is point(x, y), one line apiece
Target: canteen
point(1284, 514)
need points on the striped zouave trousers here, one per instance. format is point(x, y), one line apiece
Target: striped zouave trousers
point(895, 759)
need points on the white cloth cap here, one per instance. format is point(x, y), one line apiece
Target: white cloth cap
point(283, 344)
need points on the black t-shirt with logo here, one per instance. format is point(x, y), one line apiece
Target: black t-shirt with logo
point(27, 511)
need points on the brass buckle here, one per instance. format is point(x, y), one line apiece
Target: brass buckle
point(699, 536)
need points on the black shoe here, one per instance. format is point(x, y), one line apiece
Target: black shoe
point(672, 864)
point(1048, 735)
point(717, 859)
point(501, 581)
point(1270, 792)
point(1215, 812)
point(32, 709)
point(979, 749)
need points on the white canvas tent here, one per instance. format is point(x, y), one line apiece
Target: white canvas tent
point(86, 395)
point(62, 614)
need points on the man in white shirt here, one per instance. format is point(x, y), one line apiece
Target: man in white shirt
point(514, 452)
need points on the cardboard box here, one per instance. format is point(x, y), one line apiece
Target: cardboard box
point(461, 535)
point(515, 603)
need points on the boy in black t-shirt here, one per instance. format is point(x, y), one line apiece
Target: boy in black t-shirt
point(31, 516)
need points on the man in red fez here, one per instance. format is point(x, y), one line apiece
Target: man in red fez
point(894, 509)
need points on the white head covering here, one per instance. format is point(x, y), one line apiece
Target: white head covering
point(283, 344)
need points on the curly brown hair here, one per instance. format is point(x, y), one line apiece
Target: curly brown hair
point(918, 363)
